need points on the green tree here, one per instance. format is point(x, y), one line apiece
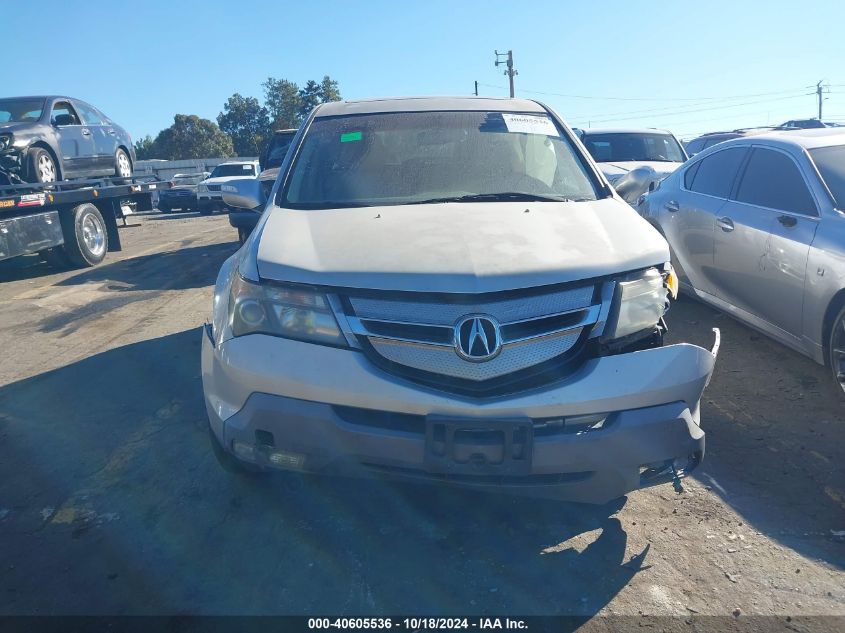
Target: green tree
point(247, 123)
point(309, 98)
point(281, 97)
point(329, 90)
point(192, 137)
point(145, 148)
point(289, 104)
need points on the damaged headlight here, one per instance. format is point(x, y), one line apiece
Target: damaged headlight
point(300, 314)
point(642, 303)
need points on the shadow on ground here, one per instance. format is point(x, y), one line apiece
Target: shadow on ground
point(775, 434)
point(115, 504)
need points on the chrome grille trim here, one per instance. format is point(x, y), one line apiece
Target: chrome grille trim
point(443, 338)
point(503, 310)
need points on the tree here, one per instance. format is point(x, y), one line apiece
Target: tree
point(329, 90)
point(309, 98)
point(192, 137)
point(281, 97)
point(145, 148)
point(289, 104)
point(247, 123)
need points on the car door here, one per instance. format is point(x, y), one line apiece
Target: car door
point(763, 237)
point(103, 134)
point(76, 142)
point(688, 217)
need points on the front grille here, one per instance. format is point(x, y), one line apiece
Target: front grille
point(214, 187)
point(414, 336)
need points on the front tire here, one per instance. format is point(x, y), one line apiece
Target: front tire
point(122, 165)
point(86, 237)
point(41, 167)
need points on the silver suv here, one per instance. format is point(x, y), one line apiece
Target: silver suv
point(447, 289)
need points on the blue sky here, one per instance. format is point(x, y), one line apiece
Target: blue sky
point(689, 67)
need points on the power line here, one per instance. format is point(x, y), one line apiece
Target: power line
point(598, 98)
point(692, 111)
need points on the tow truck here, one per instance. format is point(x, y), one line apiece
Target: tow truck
point(71, 223)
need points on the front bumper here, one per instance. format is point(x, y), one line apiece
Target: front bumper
point(329, 410)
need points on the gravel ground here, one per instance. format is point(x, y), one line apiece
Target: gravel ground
point(111, 501)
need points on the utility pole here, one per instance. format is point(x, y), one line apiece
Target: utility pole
point(510, 72)
point(819, 91)
point(476, 88)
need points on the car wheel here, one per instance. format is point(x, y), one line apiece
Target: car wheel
point(836, 350)
point(86, 238)
point(40, 166)
point(229, 462)
point(122, 164)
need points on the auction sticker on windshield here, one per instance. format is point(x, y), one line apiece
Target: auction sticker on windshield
point(530, 124)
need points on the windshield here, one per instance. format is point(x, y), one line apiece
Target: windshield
point(20, 110)
point(830, 162)
point(414, 157)
point(233, 170)
point(622, 147)
point(278, 149)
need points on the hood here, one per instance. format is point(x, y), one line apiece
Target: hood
point(620, 168)
point(457, 247)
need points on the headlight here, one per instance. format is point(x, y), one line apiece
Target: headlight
point(642, 303)
point(5, 141)
point(304, 315)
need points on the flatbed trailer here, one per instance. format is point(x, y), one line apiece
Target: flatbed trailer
point(71, 223)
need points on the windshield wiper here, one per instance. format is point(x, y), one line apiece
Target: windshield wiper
point(502, 196)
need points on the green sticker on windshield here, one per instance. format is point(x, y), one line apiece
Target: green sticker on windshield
point(350, 136)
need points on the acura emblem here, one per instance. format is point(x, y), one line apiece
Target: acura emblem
point(477, 338)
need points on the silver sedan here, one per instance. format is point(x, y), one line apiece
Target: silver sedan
point(757, 228)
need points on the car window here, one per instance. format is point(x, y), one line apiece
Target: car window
point(64, 109)
point(695, 146)
point(89, 115)
point(412, 157)
point(716, 173)
point(690, 173)
point(633, 146)
point(233, 170)
point(278, 149)
point(830, 162)
point(772, 180)
point(20, 110)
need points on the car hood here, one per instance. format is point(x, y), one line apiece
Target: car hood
point(457, 247)
point(620, 168)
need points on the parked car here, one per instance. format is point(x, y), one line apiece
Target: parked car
point(756, 229)
point(182, 194)
point(633, 160)
point(448, 290)
point(209, 196)
point(704, 141)
point(804, 124)
point(244, 220)
point(50, 138)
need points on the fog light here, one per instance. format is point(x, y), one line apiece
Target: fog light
point(244, 451)
point(287, 460)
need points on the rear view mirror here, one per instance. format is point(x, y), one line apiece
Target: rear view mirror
point(243, 193)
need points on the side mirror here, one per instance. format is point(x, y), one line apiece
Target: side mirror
point(243, 193)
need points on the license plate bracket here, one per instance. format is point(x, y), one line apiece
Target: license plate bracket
point(478, 447)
